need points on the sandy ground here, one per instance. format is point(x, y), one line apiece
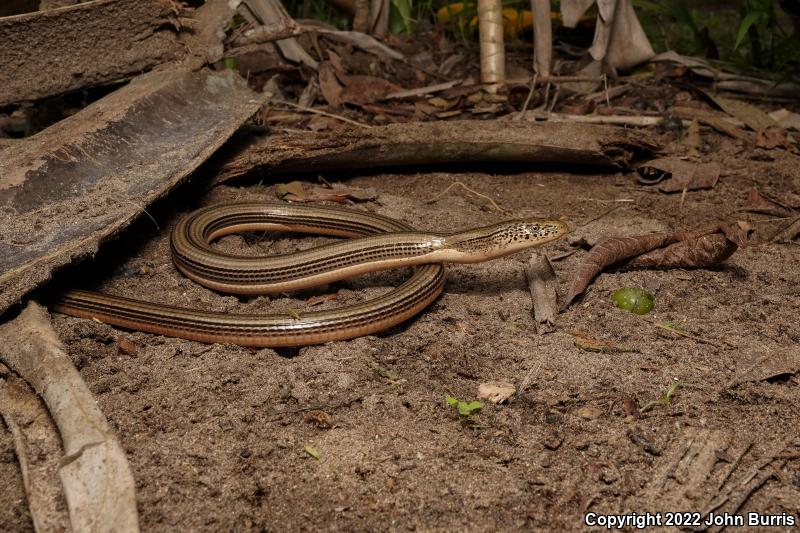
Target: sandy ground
point(217, 434)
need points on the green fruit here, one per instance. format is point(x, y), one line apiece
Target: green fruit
point(637, 301)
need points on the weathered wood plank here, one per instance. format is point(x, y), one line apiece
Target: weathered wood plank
point(68, 188)
point(56, 51)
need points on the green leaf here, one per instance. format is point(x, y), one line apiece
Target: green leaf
point(749, 19)
point(466, 409)
point(400, 20)
point(452, 401)
point(310, 450)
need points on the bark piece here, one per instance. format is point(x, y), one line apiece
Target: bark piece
point(52, 52)
point(206, 43)
point(542, 285)
point(74, 185)
point(98, 483)
point(428, 143)
point(38, 449)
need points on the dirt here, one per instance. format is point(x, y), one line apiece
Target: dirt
point(222, 437)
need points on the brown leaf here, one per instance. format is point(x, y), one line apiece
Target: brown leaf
point(584, 341)
point(775, 137)
point(752, 116)
point(701, 252)
point(125, 346)
point(758, 203)
point(366, 89)
point(321, 299)
point(695, 253)
point(496, 391)
point(680, 175)
point(329, 84)
point(299, 191)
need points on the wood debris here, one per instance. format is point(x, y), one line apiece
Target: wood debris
point(134, 35)
point(67, 189)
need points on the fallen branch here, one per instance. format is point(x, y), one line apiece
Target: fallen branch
point(98, 483)
point(436, 143)
point(38, 448)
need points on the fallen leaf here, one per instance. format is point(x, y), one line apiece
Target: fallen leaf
point(700, 252)
point(588, 412)
point(321, 299)
point(678, 175)
point(299, 191)
point(584, 341)
point(366, 89)
point(329, 84)
point(310, 450)
point(696, 253)
point(752, 116)
point(775, 137)
point(758, 203)
point(125, 346)
point(786, 119)
point(496, 391)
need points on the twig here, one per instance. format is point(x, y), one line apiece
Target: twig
point(683, 333)
point(471, 191)
point(621, 120)
point(421, 91)
point(559, 257)
point(320, 112)
point(528, 98)
point(601, 215)
point(734, 465)
point(784, 227)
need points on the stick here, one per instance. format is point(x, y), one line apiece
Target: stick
point(471, 191)
point(98, 482)
point(542, 286)
point(320, 112)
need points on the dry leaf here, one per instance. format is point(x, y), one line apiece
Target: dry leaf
point(329, 84)
point(366, 89)
point(775, 137)
point(496, 391)
point(695, 253)
point(786, 119)
point(701, 252)
point(752, 116)
point(584, 341)
point(758, 203)
point(299, 191)
point(321, 299)
point(679, 174)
